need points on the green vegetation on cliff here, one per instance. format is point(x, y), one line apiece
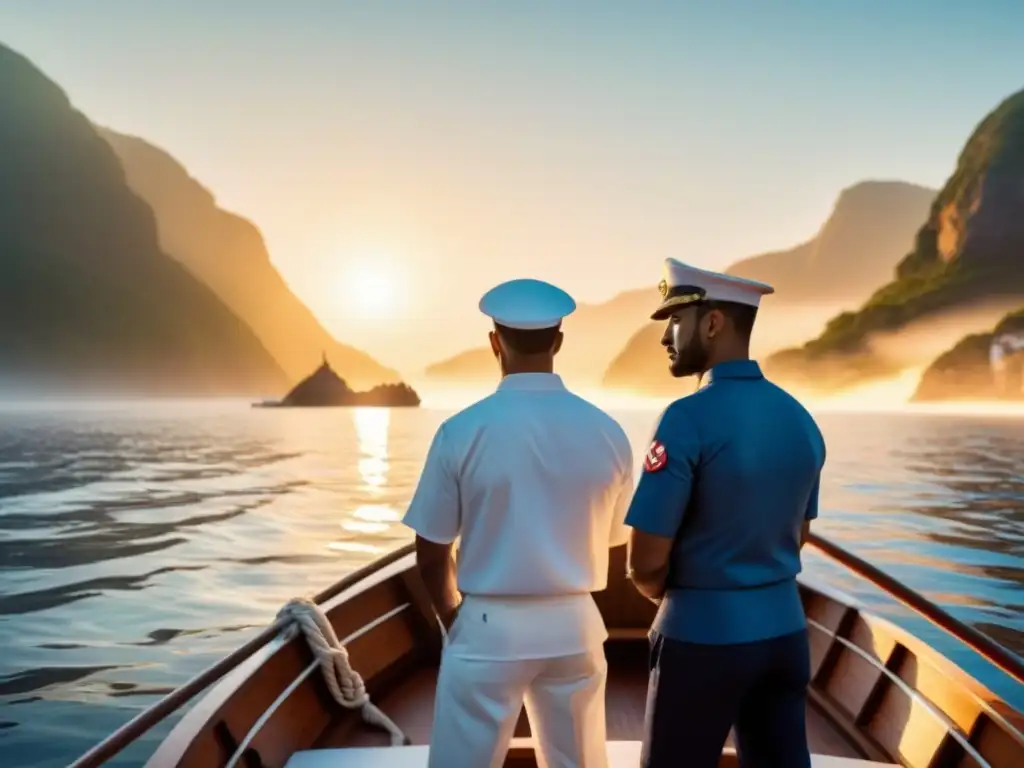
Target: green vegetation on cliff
point(970, 250)
point(88, 300)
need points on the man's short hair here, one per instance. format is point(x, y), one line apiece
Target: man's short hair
point(528, 342)
point(742, 316)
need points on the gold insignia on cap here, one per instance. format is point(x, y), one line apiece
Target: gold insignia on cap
point(686, 298)
point(663, 288)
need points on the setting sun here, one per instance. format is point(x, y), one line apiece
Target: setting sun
point(369, 289)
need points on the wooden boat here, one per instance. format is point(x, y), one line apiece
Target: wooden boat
point(878, 696)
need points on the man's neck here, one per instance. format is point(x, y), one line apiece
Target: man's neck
point(539, 366)
point(728, 356)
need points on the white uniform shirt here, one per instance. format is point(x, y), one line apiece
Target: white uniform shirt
point(535, 481)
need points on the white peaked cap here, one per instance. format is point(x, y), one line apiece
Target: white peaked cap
point(682, 284)
point(527, 304)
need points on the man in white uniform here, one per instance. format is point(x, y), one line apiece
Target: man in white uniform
point(535, 482)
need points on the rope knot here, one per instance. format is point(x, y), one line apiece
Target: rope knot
point(344, 683)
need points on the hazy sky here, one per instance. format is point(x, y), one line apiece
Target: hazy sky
point(443, 150)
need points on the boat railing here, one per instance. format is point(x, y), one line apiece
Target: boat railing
point(989, 649)
point(144, 721)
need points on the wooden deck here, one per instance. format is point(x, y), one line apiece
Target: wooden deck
point(411, 706)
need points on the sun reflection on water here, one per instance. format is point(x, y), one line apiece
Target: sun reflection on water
point(372, 518)
point(372, 433)
point(377, 513)
point(353, 546)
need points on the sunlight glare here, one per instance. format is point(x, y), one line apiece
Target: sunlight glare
point(369, 287)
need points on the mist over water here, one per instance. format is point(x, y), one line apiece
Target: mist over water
point(139, 542)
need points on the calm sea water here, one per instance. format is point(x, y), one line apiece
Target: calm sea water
point(140, 543)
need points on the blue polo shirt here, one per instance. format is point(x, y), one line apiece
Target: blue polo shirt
point(735, 472)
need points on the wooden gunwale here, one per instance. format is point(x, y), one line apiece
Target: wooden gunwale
point(992, 651)
point(862, 723)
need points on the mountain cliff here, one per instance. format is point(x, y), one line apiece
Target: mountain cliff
point(967, 254)
point(88, 301)
point(965, 371)
point(871, 225)
point(227, 253)
point(474, 366)
point(856, 249)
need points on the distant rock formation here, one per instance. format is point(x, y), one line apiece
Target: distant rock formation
point(389, 395)
point(968, 253)
point(642, 365)
point(324, 388)
point(474, 366)
point(966, 372)
point(871, 225)
point(227, 253)
point(88, 301)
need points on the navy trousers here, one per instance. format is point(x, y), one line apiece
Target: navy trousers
point(696, 693)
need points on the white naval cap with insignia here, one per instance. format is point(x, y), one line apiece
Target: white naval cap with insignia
point(527, 304)
point(682, 284)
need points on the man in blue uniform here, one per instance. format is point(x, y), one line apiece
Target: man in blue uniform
point(721, 511)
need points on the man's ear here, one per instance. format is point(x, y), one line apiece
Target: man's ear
point(495, 343)
point(558, 343)
point(716, 322)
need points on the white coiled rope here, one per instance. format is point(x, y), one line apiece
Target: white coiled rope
point(344, 683)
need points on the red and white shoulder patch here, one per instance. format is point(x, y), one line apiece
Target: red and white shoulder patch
point(656, 457)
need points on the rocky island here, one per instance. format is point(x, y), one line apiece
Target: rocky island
point(967, 255)
point(325, 388)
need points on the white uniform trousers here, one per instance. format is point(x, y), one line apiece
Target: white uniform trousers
point(478, 704)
